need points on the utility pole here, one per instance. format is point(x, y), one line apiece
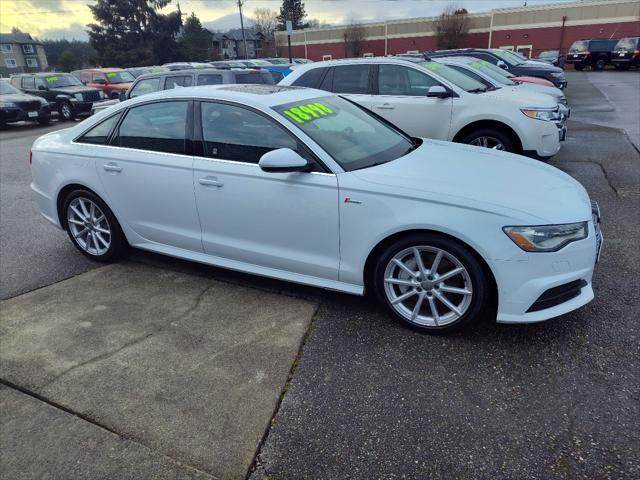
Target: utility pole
point(244, 38)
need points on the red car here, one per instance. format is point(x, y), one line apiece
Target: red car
point(537, 80)
point(112, 81)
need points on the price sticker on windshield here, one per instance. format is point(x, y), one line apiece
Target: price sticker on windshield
point(476, 65)
point(432, 66)
point(52, 79)
point(111, 74)
point(308, 112)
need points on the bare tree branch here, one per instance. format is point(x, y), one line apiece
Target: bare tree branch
point(452, 27)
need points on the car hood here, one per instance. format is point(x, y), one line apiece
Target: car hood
point(18, 97)
point(556, 93)
point(73, 89)
point(526, 190)
point(540, 66)
point(536, 80)
point(523, 98)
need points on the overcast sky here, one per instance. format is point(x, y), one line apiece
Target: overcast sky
point(67, 18)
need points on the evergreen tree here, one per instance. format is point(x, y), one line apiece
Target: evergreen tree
point(195, 40)
point(68, 61)
point(291, 10)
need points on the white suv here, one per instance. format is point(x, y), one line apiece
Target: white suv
point(435, 101)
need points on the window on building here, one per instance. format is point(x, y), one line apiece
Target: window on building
point(6, 48)
point(10, 62)
point(28, 49)
point(32, 62)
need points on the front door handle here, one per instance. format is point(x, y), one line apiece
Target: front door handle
point(112, 167)
point(210, 182)
point(385, 106)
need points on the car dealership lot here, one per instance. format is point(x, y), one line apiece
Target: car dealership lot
point(368, 399)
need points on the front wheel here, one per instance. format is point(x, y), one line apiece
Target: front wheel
point(66, 111)
point(44, 120)
point(92, 227)
point(600, 64)
point(489, 138)
point(431, 283)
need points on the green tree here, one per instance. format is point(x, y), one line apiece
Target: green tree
point(68, 61)
point(195, 40)
point(133, 32)
point(291, 10)
point(85, 55)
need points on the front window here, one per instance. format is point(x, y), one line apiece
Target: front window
point(579, 46)
point(119, 77)
point(403, 81)
point(550, 54)
point(461, 80)
point(352, 136)
point(148, 85)
point(7, 89)
point(61, 80)
point(493, 72)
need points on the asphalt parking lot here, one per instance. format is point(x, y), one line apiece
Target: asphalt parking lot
point(351, 393)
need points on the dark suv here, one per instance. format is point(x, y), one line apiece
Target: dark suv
point(510, 61)
point(595, 53)
point(64, 92)
point(626, 53)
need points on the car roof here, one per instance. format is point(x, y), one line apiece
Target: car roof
point(41, 74)
point(458, 59)
point(101, 70)
point(263, 96)
point(198, 71)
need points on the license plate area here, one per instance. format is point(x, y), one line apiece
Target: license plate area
point(32, 114)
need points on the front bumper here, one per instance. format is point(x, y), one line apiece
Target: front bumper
point(523, 284)
point(9, 115)
point(81, 106)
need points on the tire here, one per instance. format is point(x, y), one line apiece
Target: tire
point(95, 243)
point(66, 111)
point(623, 67)
point(600, 64)
point(492, 135)
point(578, 67)
point(45, 120)
point(453, 255)
point(114, 96)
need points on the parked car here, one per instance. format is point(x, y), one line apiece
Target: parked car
point(626, 53)
point(112, 81)
point(226, 64)
point(492, 76)
point(16, 106)
point(277, 61)
point(64, 92)
point(595, 53)
point(441, 233)
point(512, 63)
point(137, 71)
point(434, 101)
point(178, 66)
point(302, 60)
point(554, 57)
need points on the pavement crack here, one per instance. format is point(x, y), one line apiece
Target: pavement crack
point(604, 173)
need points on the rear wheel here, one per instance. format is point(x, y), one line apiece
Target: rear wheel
point(431, 283)
point(92, 227)
point(600, 64)
point(490, 138)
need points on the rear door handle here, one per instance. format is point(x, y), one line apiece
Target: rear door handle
point(385, 106)
point(112, 167)
point(210, 182)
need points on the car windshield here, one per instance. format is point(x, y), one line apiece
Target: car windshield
point(6, 88)
point(457, 78)
point(579, 46)
point(61, 80)
point(488, 66)
point(626, 44)
point(496, 73)
point(350, 134)
point(549, 54)
point(261, 63)
point(119, 77)
point(508, 57)
point(278, 61)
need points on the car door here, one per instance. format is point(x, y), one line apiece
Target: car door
point(402, 100)
point(43, 90)
point(148, 178)
point(282, 221)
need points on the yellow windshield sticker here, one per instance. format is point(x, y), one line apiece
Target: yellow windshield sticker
point(111, 74)
point(476, 65)
point(307, 112)
point(52, 79)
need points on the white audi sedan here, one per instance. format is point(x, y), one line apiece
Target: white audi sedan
point(305, 186)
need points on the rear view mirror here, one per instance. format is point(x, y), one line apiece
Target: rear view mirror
point(501, 64)
point(438, 91)
point(283, 160)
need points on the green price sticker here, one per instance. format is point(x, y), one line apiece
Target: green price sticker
point(52, 79)
point(476, 65)
point(308, 112)
point(155, 70)
point(111, 74)
point(432, 66)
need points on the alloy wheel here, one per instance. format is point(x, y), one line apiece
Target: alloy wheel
point(66, 111)
point(428, 286)
point(89, 226)
point(488, 142)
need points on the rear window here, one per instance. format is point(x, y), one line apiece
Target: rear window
point(626, 44)
point(148, 85)
point(579, 46)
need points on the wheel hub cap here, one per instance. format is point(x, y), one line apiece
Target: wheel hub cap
point(88, 226)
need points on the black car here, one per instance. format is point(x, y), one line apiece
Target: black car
point(510, 61)
point(16, 106)
point(626, 53)
point(64, 92)
point(594, 53)
point(553, 57)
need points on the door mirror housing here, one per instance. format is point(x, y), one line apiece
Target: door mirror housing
point(438, 91)
point(42, 87)
point(283, 160)
point(501, 64)
point(122, 96)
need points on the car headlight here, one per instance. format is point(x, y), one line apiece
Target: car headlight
point(78, 96)
point(557, 74)
point(547, 238)
point(546, 114)
point(7, 105)
point(43, 101)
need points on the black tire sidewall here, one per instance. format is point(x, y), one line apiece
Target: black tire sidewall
point(481, 292)
point(118, 241)
point(490, 132)
point(72, 113)
point(600, 64)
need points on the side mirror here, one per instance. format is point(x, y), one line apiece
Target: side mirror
point(123, 96)
point(501, 64)
point(283, 160)
point(42, 87)
point(438, 91)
